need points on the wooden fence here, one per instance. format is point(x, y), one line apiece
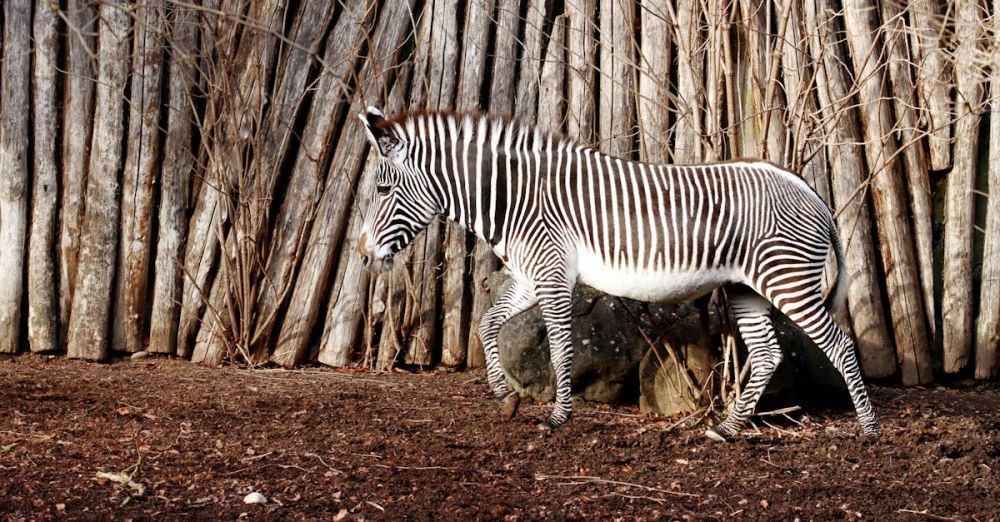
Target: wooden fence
point(182, 177)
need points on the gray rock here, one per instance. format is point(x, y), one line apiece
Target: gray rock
point(607, 348)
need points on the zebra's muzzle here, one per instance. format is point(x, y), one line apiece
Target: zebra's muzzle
point(376, 265)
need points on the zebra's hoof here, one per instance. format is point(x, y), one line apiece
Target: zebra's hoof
point(714, 435)
point(509, 405)
point(547, 427)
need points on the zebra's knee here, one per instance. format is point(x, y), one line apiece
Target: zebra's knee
point(489, 329)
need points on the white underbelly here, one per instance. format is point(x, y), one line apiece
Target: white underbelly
point(648, 285)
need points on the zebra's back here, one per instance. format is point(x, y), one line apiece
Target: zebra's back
point(671, 233)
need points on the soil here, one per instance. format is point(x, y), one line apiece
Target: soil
point(332, 445)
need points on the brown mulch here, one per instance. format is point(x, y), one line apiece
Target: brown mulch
point(322, 444)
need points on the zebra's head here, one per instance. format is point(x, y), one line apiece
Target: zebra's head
point(403, 203)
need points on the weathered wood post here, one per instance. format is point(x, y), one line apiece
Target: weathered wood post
point(142, 164)
point(15, 108)
point(988, 324)
point(89, 325)
point(847, 168)
point(175, 179)
point(78, 121)
point(43, 290)
point(331, 101)
point(895, 233)
point(956, 298)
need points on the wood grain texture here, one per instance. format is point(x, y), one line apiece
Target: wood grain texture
point(43, 286)
point(331, 101)
point(956, 298)
point(847, 169)
point(77, 125)
point(175, 180)
point(89, 327)
point(142, 166)
point(654, 81)
point(988, 323)
point(15, 95)
point(902, 273)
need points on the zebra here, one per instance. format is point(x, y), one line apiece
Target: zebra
point(558, 213)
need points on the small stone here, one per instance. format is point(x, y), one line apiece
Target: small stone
point(139, 355)
point(255, 498)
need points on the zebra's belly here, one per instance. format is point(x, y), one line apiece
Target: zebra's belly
point(649, 285)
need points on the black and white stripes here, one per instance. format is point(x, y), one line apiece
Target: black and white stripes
point(558, 213)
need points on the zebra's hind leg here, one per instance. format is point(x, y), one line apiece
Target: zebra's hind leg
point(515, 300)
point(555, 299)
point(753, 317)
point(812, 317)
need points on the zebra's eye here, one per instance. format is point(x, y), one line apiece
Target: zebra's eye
point(383, 190)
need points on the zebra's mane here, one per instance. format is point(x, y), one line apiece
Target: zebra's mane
point(470, 124)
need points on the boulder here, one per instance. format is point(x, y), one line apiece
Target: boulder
point(607, 348)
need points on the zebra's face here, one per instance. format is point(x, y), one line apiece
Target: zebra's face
point(402, 204)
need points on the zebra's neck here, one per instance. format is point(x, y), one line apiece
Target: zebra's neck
point(484, 171)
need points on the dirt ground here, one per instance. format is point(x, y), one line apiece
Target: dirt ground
point(322, 444)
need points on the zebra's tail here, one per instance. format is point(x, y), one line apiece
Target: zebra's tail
point(837, 294)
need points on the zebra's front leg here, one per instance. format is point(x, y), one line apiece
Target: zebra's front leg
point(555, 300)
point(515, 300)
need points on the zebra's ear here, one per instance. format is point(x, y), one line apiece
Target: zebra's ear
point(381, 135)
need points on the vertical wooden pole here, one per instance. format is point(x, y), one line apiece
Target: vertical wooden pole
point(915, 164)
point(956, 299)
point(654, 81)
point(454, 300)
point(331, 100)
point(78, 121)
point(768, 109)
point(87, 336)
point(934, 78)
point(800, 89)
point(988, 323)
point(617, 92)
point(582, 95)
point(15, 93)
point(141, 168)
point(551, 98)
point(43, 318)
point(350, 293)
point(717, 19)
point(895, 233)
point(833, 88)
point(529, 79)
point(690, 71)
point(178, 162)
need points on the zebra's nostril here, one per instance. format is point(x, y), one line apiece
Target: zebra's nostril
point(365, 260)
